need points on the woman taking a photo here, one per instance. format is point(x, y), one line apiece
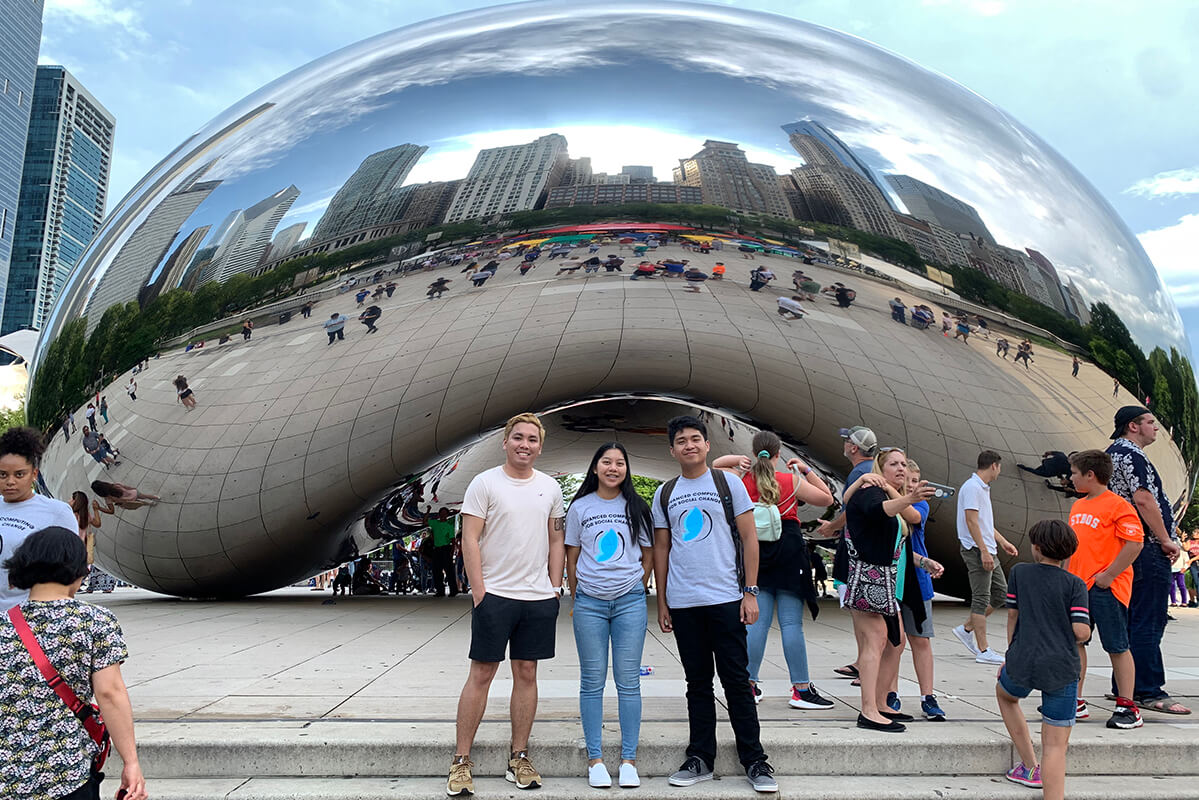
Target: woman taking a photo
point(49, 753)
point(784, 572)
point(608, 558)
point(879, 565)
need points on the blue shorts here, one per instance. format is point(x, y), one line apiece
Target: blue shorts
point(1111, 618)
point(98, 456)
point(1057, 707)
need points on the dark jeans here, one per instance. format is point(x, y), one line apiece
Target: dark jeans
point(337, 334)
point(443, 570)
point(714, 636)
point(1147, 620)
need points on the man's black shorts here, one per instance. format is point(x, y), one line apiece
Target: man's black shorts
point(525, 627)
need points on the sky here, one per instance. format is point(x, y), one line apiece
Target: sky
point(1112, 87)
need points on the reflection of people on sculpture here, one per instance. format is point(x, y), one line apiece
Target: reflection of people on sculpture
point(644, 270)
point(694, 278)
point(487, 271)
point(760, 277)
point(790, 306)
point(571, 265)
point(247, 330)
point(898, 310)
point(718, 271)
point(92, 446)
point(922, 317)
point(118, 494)
point(962, 329)
point(843, 295)
point(365, 582)
point(1054, 464)
point(1002, 346)
point(369, 317)
point(1023, 353)
point(341, 583)
point(186, 396)
point(613, 264)
point(438, 287)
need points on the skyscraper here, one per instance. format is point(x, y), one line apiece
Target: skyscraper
point(820, 147)
point(1055, 291)
point(286, 240)
point(577, 172)
point(839, 188)
point(20, 37)
point(378, 174)
point(64, 188)
point(174, 269)
point(727, 178)
point(933, 205)
point(146, 246)
point(247, 242)
point(638, 175)
point(512, 178)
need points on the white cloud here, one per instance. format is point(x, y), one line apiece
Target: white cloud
point(99, 13)
point(1174, 183)
point(1172, 250)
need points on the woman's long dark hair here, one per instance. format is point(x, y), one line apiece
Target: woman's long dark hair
point(105, 489)
point(636, 509)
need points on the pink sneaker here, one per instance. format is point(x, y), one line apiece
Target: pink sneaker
point(1022, 775)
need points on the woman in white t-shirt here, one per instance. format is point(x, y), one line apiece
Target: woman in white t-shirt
point(609, 553)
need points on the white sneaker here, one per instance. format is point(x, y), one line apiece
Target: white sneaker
point(989, 656)
point(966, 638)
point(629, 779)
point(597, 776)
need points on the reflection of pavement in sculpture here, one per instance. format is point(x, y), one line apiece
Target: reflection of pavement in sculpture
point(293, 438)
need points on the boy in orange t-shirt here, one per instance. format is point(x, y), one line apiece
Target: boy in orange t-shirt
point(1110, 537)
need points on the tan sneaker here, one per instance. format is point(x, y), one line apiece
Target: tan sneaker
point(521, 772)
point(461, 782)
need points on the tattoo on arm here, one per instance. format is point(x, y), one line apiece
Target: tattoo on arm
point(559, 523)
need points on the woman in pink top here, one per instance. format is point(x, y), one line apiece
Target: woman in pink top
point(118, 494)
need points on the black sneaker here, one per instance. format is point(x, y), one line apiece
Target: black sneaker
point(1126, 717)
point(808, 698)
point(692, 772)
point(761, 776)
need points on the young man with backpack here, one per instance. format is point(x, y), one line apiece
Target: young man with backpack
point(706, 568)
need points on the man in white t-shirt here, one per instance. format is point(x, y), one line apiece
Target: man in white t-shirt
point(514, 550)
point(707, 595)
point(979, 544)
point(23, 512)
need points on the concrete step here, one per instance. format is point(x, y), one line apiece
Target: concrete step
point(733, 787)
point(383, 749)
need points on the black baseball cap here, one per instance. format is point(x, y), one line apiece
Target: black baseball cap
point(1126, 415)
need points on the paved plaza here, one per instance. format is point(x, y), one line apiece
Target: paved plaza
point(277, 694)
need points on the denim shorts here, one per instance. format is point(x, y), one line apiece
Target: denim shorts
point(1110, 616)
point(1058, 707)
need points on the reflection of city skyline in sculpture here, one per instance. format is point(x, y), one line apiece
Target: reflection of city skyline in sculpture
point(295, 438)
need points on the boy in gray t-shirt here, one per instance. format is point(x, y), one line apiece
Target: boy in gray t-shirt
point(701, 601)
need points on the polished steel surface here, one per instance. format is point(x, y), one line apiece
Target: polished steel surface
point(295, 442)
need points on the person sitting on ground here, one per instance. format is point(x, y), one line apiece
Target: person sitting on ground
point(1047, 617)
point(569, 265)
point(614, 263)
point(592, 265)
point(84, 646)
point(922, 317)
point(118, 494)
point(718, 271)
point(790, 306)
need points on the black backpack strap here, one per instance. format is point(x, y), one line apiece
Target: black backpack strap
point(726, 500)
point(664, 499)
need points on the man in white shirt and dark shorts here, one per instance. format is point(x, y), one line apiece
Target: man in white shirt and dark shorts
point(514, 550)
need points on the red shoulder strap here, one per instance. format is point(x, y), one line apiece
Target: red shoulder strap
point(81, 710)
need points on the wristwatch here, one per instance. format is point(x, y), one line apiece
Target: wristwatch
point(751, 590)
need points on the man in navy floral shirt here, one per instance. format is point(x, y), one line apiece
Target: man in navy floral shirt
point(1135, 479)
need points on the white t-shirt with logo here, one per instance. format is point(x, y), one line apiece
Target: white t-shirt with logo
point(975, 495)
point(703, 556)
point(515, 545)
point(17, 521)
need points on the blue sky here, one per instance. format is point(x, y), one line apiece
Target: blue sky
point(1111, 87)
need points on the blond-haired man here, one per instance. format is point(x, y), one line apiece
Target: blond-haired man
point(513, 546)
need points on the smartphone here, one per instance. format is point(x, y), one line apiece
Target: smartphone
point(121, 794)
point(942, 492)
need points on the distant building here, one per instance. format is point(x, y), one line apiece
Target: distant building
point(1049, 277)
point(507, 179)
point(20, 38)
point(146, 247)
point(934, 244)
point(820, 147)
point(1001, 264)
point(639, 174)
point(429, 203)
point(246, 243)
point(174, 269)
point(726, 178)
point(841, 196)
point(286, 241)
point(576, 173)
point(1077, 304)
point(613, 194)
point(933, 205)
point(64, 188)
point(360, 200)
point(603, 177)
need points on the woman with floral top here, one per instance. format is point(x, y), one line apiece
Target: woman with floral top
point(45, 753)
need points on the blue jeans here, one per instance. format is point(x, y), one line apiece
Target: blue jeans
point(1147, 620)
point(790, 611)
point(596, 622)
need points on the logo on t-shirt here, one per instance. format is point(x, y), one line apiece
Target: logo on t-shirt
point(609, 546)
point(697, 525)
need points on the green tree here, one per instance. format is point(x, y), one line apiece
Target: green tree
point(646, 487)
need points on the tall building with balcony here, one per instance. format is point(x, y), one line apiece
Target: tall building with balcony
point(20, 38)
point(934, 205)
point(602, 194)
point(820, 147)
point(357, 202)
point(64, 189)
point(513, 178)
point(726, 178)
